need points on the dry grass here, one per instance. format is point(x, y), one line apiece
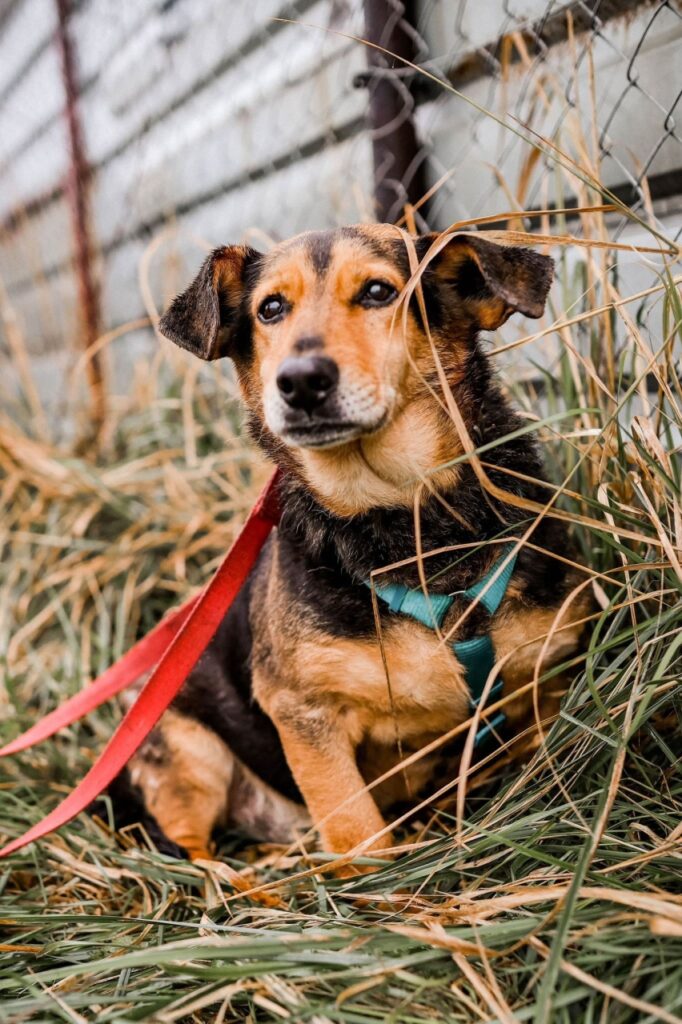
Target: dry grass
point(550, 893)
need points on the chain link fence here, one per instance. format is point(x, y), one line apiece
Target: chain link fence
point(600, 81)
point(135, 133)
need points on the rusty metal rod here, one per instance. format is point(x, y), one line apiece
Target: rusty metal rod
point(78, 186)
point(399, 171)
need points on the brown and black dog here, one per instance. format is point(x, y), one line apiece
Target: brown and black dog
point(289, 712)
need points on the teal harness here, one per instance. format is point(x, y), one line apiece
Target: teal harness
point(476, 655)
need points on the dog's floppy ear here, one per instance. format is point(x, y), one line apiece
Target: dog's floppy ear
point(202, 318)
point(492, 280)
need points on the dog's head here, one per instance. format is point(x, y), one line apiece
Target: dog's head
point(325, 365)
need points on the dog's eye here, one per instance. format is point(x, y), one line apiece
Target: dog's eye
point(377, 293)
point(272, 308)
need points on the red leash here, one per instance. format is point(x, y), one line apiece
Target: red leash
point(174, 646)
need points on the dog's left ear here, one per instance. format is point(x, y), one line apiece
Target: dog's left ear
point(203, 318)
point(492, 280)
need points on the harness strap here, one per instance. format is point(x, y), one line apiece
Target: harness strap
point(476, 655)
point(492, 588)
point(429, 610)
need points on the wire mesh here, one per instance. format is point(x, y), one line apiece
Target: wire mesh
point(204, 122)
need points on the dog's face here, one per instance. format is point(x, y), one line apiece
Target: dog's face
point(322, 313)
point(327, 364)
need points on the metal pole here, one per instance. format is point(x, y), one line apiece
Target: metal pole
point(78, 192)
point(399, 176)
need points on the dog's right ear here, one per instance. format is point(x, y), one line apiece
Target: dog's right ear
point(203, 318)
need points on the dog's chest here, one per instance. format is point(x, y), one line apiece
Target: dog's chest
point(410, 679)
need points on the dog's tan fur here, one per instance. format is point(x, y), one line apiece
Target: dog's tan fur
point(339, 701)
point(193, 783)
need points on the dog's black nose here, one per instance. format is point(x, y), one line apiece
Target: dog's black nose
point(304, 382)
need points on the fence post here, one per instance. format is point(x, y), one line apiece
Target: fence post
point(399, 176)
point(78, 191)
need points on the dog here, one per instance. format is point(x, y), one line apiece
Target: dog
point(319, 680)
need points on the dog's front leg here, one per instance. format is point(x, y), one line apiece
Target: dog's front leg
point(322, 756)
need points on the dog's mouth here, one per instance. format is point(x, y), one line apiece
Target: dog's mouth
point(328, 433)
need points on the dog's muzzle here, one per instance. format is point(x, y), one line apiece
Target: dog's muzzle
point(311, 404)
